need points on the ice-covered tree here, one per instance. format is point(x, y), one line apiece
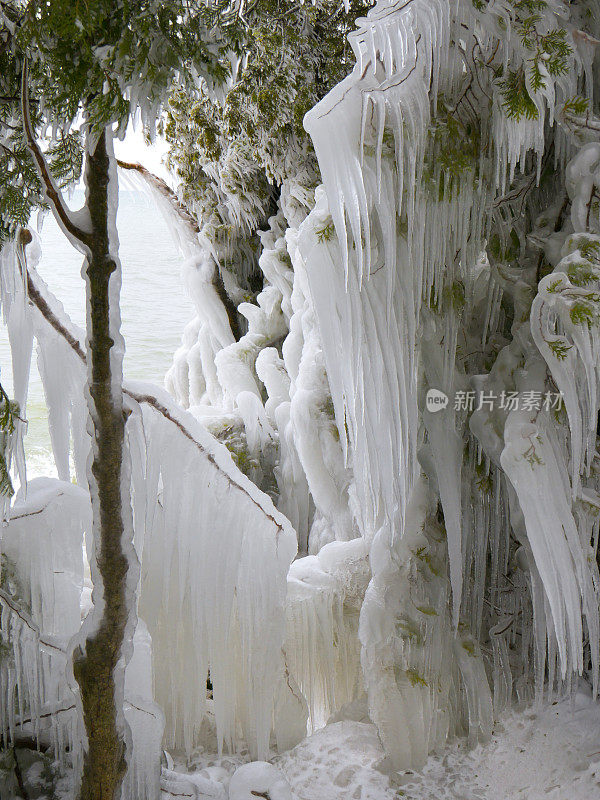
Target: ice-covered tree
point(404, 360)
point(78, 75)
point(452, 182)
point(449, 200)
point(232, 152)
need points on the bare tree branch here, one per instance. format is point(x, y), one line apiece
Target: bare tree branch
point(52, 193)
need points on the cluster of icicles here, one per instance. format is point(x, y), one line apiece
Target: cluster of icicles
point(320, 403)
point(374, 286)
point(214, 566)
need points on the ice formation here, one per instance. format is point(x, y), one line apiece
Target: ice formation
point(218, 629)
point(397, 259)
point(324, 595)
point(447, 559)
point(222, 577)
point(43, 541)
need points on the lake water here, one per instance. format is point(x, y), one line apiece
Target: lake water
point(154, 306)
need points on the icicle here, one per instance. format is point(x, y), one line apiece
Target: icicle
point(207, 578)
point(17, 316)
point(40, 611)
point(530, 461)
point(322, 647)
point(145, 719)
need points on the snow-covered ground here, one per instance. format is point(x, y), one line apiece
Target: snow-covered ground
point(552, 754)
point(547, 754)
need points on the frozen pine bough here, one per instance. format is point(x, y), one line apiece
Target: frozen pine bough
point(314, 536)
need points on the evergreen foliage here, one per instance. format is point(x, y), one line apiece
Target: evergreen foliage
point(232, 151)
point(109, 58)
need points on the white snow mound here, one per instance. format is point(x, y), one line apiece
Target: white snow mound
point(259, 779)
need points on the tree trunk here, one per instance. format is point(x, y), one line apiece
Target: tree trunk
point(99, 664)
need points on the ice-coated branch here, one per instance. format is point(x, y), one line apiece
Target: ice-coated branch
point(51, 712)
point(170, 415)
point(587, 122)
point(51, 191)
point(43, 304)
point(191, 223)
point(163, 189)
point(47, 644)
point(519, 193)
